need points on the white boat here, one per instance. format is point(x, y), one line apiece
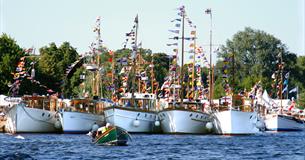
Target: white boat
point(186, 119)
point(35, 116)
point(138, 118)
point(82, 115)
point(236, 122)
point(278, 122)
point(279, 118)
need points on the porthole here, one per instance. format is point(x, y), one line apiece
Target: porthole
point(42, 114)
point(191, 115)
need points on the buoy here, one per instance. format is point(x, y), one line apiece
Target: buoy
point(57, 124)
point(136, 123)
point(209, 125)
point(94, 127)
point(157, 123)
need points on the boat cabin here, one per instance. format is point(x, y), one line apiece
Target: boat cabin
point(85, 106)
point(41, 102)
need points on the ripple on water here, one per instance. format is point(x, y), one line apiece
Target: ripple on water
point(288, 145)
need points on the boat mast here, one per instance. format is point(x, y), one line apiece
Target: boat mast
point(233, 77)
point(152, 74)
point(193, 73)
point(209, 11)
point(281, 79)
point(96, 73)
point(134, 56)
point(113, 72)
point(182, 58)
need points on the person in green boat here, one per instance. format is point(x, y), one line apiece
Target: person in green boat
point(103, 129)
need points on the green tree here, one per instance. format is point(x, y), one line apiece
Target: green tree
point(53, 64)
point(10, 54)
point(255, 55)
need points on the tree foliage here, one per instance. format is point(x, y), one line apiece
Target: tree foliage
point(10, 54)
point(255, 55)
point(53, 63)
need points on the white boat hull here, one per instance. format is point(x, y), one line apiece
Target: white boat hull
point(132, 120)
point(78, 122)
point(233, 122)
point(276, 122)
point(183, 121)
point(21, 119)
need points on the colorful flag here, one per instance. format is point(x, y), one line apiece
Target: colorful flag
point(285, 89)
point(193, 32)
point(287, 75)
point(178, 19)
point(174, 31)
point(294, 90)
point(172, 44)
point(208, 11)
point(136, 20)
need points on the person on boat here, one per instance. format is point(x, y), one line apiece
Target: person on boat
point(103, 129)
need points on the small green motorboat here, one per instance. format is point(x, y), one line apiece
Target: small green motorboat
point(113, 136)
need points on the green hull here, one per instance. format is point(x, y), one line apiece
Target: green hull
point(113, 136)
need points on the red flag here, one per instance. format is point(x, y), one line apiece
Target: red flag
point(292, 105)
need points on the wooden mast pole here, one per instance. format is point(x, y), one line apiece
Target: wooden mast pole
point(134, 62)
point(182, 59)
point(193, 73)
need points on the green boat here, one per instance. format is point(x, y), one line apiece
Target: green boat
point(113, 136)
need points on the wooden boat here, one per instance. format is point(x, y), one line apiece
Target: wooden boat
point(35, 114)
point(113, 136)
point(81, 115)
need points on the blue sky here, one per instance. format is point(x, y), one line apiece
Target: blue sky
point(39, 22)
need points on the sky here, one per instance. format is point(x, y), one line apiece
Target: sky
point(36, 23)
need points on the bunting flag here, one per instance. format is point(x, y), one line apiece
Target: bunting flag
point(287, 75)
point(285, 89)
point(294, 90)
point(177, 25)
point(193, 32)
point(172, 44)
point(22, 72)
point(178, 19)
point(174, 31)
point(208, 11)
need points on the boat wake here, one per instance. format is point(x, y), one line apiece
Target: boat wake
point(19, 137)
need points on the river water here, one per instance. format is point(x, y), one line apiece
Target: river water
point(284, 145)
